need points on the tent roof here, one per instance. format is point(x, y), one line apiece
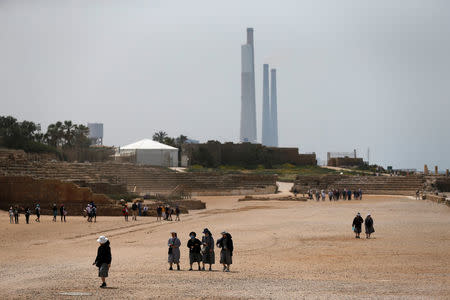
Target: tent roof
point(147, 144)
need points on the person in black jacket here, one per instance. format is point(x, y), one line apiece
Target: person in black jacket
point(103, 259)
point(226, 252)
point(194, 246)
point(357, 222)
point(368, 224)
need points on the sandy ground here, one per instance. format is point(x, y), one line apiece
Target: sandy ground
point(284, 250)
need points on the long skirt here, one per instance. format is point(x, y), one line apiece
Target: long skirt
point(194, 257)
point(174, 257)
point(209, 257)
point(226, 257)
point(369, 229)
point(357, 229)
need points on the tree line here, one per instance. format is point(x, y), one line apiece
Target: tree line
point(164, 138)
point(27, 136)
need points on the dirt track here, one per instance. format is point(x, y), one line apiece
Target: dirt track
point(284, 250)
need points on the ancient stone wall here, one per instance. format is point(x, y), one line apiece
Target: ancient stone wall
point(345, 162)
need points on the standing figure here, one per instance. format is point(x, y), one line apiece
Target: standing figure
point(159, 213)
point(103, 259)
point(177, 213)
point(349, 195)
point(317, 195)
point(94, 212)
point(368, 224)
point(174, 251)
point(125, 212)
point(55, 212)
point(145, 210)
point(38, 213)
point(417, 195)
point(208, 249)
point(134, 208)
point(27, 215)
point(16, 214)
point(330, 195)
point(139, 206)
point(357, 222)
point(194, 246)
point(11, 215)
point(360, 194)
point(323, 195)
point(226, 252)
point(61, 212)
point(344, 194)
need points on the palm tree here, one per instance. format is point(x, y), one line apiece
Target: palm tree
point(181, 140)
point(160, 136)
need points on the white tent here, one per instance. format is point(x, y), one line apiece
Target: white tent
point(149, 152)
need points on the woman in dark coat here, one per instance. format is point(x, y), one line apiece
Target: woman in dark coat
point(357, 223)
point(195, 247)
point(103, 259)
point(208, 249)
point(226, 254)
point(368, 224)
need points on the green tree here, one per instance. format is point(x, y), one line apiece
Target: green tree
point(160, 136)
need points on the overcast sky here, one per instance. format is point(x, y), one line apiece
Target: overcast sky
point(351, 74)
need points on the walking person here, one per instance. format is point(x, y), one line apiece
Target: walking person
point(61, 212)
point(37, 210)
point(11, 215)
point(368, 224)
point(349, 195)
point(139, 206)
point(226, 252)
point(158, 213)
point(55, 212)
point(103, 259)
point(194, 246)
point(317, 195)
point(134, 208)
point(27, 215)
point(177, 214)
point(323, 195)
point(174, 244)
point(208, 256)
point(360, 194)
point(145, 209)
point(16, 214)
point(125, 212)
point(94, 212)
point(356, 225)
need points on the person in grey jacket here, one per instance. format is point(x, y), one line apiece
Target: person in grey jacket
point(208, 249)
point(174, 244)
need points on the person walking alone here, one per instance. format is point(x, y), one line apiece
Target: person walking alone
point(11, 215)
point(103, 259)
point(62, 213)
point(27, 215)
point(368, 224)
point(194, 246)
point(134, 208)
point(226, 252)
point(37, 210)
point(356, 225)
point(177, 214)
point(174, 251)
point(208, 256)
point(16, 214)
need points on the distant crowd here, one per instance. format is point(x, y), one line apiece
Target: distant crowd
point(162, 212)
point(332, 194)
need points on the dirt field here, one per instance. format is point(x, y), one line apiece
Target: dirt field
point(284, 250)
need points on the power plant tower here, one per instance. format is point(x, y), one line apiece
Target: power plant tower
point(248, 101)
point(266, 119)
point(273, 108)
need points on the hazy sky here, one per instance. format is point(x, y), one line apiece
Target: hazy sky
point(351, 74)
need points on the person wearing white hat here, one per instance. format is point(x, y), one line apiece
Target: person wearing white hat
point(357, 222)
point(103, 259)
point(368, 224)
point(174, 244)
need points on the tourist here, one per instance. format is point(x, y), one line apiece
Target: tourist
point(194, 246)
point(330, 195)
point(11, 215)
point(226, 252)
point(89, 212)
point(159, 211)
point(103, 259)
point(349, 195)
point(125, 212)
point(55, 212)
point(208, 249)
point(417, 195)
point(145, 210)
point(174, 244)
point(295, 191)
point(163, 212)
point(317, 195)
point(16, 214)
point(360, 194)
point(139, 206)
point(38, 213)
point(27, 215)
point(169, 216)
point(93, 212)
point(368, 224)
point(177, 214)
point(61, 211)
point(134, 208)
point(356, 225)
point(344, 194)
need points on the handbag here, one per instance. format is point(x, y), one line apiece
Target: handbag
point(170, 250)
point(353, 228)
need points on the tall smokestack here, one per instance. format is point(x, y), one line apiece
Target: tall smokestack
point(266, 120)
point(273, 107)
point(248, 105)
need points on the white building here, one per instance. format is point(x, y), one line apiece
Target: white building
point(149, 152)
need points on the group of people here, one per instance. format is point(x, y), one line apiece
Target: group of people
point(335, 194)
point(368, 225)
point(200, 252)
point(166, 212)
point(62, 212)
point(90, 212)
point(136, 210)
point(14, 213)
